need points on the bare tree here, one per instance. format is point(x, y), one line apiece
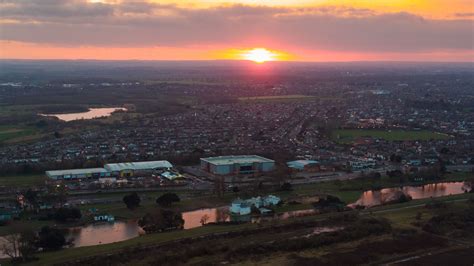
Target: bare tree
point(20, 244)
point(204, 219)
point(10, 246)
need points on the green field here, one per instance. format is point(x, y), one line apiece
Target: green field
point(14, 133)
point(346, 136)
point(22, 180)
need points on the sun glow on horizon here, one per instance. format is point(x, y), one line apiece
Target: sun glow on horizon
point(259, 55)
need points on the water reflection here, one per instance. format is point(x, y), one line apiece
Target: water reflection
point(197, 218)
point(104, 233)
point(113, 232)
point(92, 113)
point(383, 196)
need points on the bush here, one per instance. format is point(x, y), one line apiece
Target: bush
point(132, 201)
point(67, 214)
point(161, 220)
point(286, 187)
point(167, 199)
point(51, 238)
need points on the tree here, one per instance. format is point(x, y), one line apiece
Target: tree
point(204, 219)
point(10, 246)
point(51, 238)
point(167, 199)
point(132, 201)
point(27, 245)
point(161, 220)
point(20, 244)
point(31, 197)
point(67, 214)
point(286, 187)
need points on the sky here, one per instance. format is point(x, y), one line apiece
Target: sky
point(304, 30)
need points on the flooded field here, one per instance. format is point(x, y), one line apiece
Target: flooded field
point(104, 233)
point(379, 197)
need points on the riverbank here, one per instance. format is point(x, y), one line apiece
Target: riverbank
point(401, 215)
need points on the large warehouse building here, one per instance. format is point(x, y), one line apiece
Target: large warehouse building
point(111, 170)
point(133, 168)
point(237, 165)
point(89, 173)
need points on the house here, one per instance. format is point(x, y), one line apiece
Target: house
point(304, 165)
point(240, 207)
point(244, 207)
point(104, 218)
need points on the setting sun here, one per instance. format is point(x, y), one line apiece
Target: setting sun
point(259, 55)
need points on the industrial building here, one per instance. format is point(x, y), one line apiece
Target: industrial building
point(111, 170)
point(134, 168)
point(362, 164)
point(237, 165)
point(304, 165)
point(87, 173)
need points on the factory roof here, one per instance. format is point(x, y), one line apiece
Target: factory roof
point(300, 164)
point(112, 167)
point(84, 171)
point(239, 159)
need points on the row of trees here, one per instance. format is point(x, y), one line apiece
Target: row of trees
point(132, 201)
point(22, 244)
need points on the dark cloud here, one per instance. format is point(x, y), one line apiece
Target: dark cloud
point(464, 15)
point(74, 22)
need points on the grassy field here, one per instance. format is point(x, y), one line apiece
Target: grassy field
point(401, 216)
point(350, 135)
point(16, 133)
point(22, 180)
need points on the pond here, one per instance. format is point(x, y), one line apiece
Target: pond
point(91, 114)
point(379, 197)
point(104, 233)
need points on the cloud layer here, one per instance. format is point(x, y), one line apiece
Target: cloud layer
point(141, 24)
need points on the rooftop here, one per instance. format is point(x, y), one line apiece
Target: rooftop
point(300, 164)
point(138, 165)
point(75, 171)
point(239, 159)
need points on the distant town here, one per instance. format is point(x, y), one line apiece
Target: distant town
point(175, 152)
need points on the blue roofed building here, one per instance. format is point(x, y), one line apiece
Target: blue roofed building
point(304, 165)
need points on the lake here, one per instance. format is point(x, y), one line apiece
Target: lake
point(91, 114)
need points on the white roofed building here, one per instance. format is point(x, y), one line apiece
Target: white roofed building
point(131, 168)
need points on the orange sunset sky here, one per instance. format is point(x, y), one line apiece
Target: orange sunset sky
point(305, 30)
